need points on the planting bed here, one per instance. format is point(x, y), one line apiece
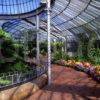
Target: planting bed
point(88, 68)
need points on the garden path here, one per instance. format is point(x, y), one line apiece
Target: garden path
point(68, 84)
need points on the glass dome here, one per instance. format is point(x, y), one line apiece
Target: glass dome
point(18, 6)
point(68, 17)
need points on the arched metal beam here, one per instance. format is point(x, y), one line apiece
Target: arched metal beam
point(76, 15)
point(33, 24)
point(82, 24)
point(62, 10)
point(24, 15)
point(40, 26)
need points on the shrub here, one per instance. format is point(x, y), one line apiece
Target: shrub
point(94, 55)
point(7, 48)
point(20, 66)
point(57, 55)
point(11, 49)
point(43, 48)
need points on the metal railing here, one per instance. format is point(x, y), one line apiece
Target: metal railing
point(15, 78)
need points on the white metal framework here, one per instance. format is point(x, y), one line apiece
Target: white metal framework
point(68, 19)
point(49, 42)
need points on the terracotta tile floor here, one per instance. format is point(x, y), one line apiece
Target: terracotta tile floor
point(68, 84)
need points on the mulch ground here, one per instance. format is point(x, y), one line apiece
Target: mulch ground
point(68, 84)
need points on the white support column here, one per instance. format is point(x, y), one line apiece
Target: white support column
point(26, 45)
point(38, 49)
point(49, 41)
point(62, 49)
point(54, 45)
point(65, 45)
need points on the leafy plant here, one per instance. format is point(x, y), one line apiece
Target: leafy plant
point(18, 66)
point(11, 49)
point(59, 46)
point(94, 55)
point(83, 45)
point(65, 56)
point(57, 56)
point(4, 34)
point(32, 53)
point(4, 82)
point(7, 48)
point(43, 48)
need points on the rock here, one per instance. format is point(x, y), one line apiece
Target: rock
point(41, 81)
point(23, 91)
point(7, 94)
point(35, 88)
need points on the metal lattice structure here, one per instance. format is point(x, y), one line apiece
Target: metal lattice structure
point(69, 18)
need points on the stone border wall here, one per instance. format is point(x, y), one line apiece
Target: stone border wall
point(24, 90)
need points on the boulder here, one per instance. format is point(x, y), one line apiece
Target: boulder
point(24, 90)
point(7, 94)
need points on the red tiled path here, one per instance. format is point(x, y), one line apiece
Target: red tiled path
point(68, 84)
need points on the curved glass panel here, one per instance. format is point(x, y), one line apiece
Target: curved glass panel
point(18, 6)
point(16, 28)
point(69, 17)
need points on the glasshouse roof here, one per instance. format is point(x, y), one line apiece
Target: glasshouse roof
point(18, 7)
point(68, 17)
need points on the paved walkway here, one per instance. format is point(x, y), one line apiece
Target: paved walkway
point(68, 84)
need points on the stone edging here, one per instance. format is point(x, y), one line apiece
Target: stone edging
point(24, 90)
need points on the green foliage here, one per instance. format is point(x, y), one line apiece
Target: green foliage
point(2, 61)
point(32, 53)
point(32, 48)
point(85, 43)
point(11, 49)
point(86, 50)
point(19, 51)
point(7, 48)
point(3, 34)
point(57, 56)
point(74, 57)
point(59, 45)
point(19, 66)
point(4, 82)
point(32, 44)
point(94, 55)
point(65, 56)
point(43, 48)
point(58, 53)
point(83, 46)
